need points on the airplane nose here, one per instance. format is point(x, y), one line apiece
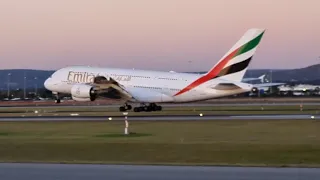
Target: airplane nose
point(47, 84)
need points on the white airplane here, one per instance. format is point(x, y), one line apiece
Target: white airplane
point(261, 78)
point(150, 87)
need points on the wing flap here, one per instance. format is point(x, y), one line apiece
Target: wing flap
point(104, 86)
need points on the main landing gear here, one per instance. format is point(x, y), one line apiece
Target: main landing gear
point(149, 108)
point(126, 107)
point(146, 108)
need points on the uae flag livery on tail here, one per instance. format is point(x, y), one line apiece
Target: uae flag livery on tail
point(234, 63)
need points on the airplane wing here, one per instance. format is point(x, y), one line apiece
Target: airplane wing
point(104, 87)
point(249, 79)
point(267, 85)
point(133, 94)
point(261, 78)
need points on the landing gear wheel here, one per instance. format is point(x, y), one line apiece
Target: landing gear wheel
point(148, 108)
point(57, 97)
point(122, 109)
point(141, 108)
point(158, 108)
point(136, 109)
point(154, 107)
point(125, 108)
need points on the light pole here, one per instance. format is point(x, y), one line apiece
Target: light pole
point(8, 85)
point(36, 86)
point(271, 80)
point(24, 86)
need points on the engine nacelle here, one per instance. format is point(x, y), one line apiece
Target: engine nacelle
point(83, 92)
point(254, 90)
point(81, 99)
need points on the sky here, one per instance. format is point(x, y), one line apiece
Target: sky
point(178, 35)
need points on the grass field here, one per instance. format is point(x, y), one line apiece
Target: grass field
point(231, 142)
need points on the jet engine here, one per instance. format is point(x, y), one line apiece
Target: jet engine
point(81, 99)
point(254, 90)
point(82, 92)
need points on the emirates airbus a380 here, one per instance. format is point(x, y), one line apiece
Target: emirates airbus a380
point(150, 88)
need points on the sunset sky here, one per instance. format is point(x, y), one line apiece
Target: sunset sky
point(180, 35)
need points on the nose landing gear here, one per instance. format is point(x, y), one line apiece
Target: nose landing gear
point(57, 98)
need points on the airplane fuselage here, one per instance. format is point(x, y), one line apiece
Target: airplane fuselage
point(168, 84)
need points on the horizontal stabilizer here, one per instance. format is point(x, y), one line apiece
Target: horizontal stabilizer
point(226, 86)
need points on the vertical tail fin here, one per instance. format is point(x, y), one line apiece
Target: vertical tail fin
point(262, 78)
point(234, 63)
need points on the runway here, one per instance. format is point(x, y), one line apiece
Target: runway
point(235, 104)
point(12, 171)
point(163, 118)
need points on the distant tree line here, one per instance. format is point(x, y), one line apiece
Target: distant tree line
point(28, 93)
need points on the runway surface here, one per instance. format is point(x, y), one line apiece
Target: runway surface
point(177, 105)
point(162, 117)
point(12, 171)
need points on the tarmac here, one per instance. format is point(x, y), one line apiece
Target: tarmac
point(170, 104)
point(200, 117)
point(18, 171)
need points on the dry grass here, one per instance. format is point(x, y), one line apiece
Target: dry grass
point(232, 142)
